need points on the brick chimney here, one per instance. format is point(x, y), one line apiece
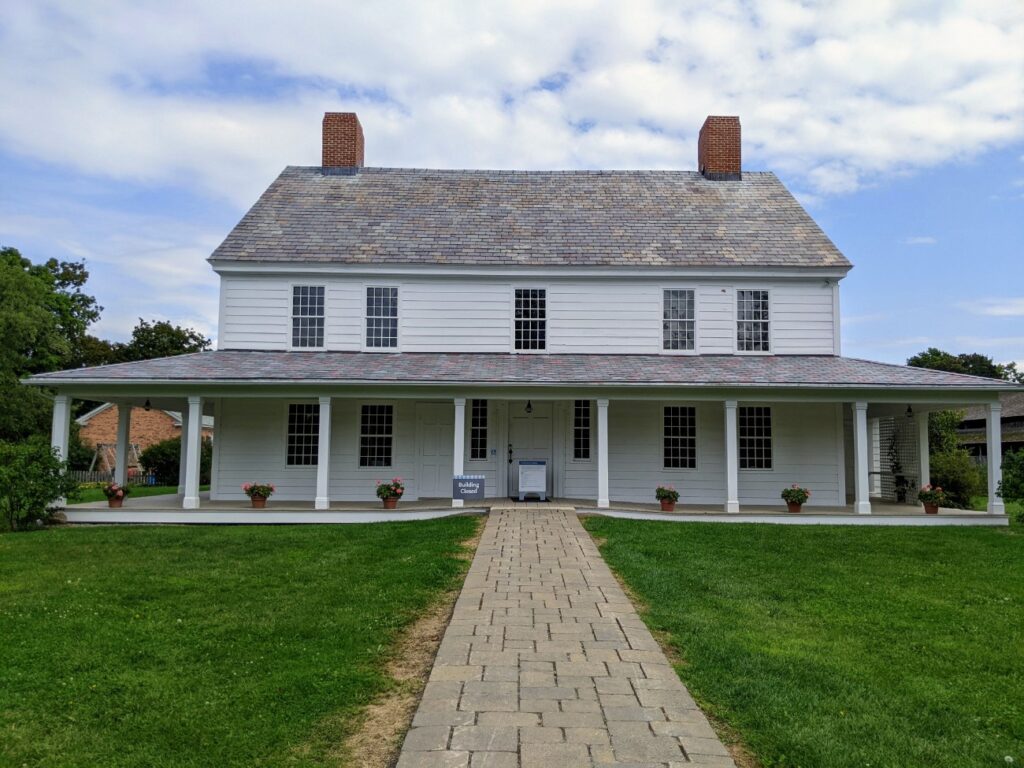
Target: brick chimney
point(343, 141)
point(718, 148)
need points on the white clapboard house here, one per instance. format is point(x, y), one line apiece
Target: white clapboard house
point(626, 328)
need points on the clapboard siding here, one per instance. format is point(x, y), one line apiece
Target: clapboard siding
point(584, 316)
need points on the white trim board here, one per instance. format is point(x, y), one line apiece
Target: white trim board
point(250, 517)
point(993, 521)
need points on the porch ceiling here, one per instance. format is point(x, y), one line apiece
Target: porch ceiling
point(412, 368)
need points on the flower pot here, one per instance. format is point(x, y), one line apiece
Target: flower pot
point(258, 502)
point(667, 505)
point(931, 509)
point(390, 502)
point(793, 506)
point(115, 502)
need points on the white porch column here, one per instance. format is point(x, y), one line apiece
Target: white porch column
point(183, 452)
point(459, 447)
point(323, 457)
point(193, 441)
point(995, 457)
point(603, 502)
point(124, 429)
point(923, 456)
point(732, 456)
point(862, 503)
point(61, 431)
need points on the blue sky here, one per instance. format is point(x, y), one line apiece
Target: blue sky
point(135, 136)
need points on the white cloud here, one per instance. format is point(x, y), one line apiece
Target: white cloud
point(1008, 307)
point(837, 95)
point(919, 240)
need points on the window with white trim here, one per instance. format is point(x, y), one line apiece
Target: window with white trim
point(381, 317)
point(307, 315)
point(677, 319)
point(581, 430)
point(752, 321)
point(303, 434)
point(680, 439)
point(755, 437)
point(376, 425)
point(478, 430)
point(531, 318)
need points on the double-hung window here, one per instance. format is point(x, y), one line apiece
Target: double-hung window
point(680, 438)
point(381, 317)
point(531, 318)
point(677, 320)
point(307, 316)
point(478, 430)
point(752, 321)
point(303, 434)
point(581, 430)
point(755, 437)
point(376, 430)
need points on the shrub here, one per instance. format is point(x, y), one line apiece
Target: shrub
point(32, 478)
point(163, 460)
point(957, 474)
point(1012, 486)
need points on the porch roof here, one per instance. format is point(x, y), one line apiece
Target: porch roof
point(248, 366)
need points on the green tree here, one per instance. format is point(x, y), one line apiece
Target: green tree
point(163, 459)
point(970, 363)
point(32, 478)
point(161, 339)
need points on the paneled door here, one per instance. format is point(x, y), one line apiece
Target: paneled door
point(529, 438)
point(435, 433)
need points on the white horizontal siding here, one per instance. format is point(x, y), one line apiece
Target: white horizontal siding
point(476, 315)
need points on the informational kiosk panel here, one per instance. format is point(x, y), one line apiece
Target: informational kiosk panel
point(468, 487)
point(533, 478)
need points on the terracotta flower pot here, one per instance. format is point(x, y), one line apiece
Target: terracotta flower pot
point(668, 505)
point(931, 509)
point(793, 506)
point(115, 502)
point(258, 502)
point(390, 502)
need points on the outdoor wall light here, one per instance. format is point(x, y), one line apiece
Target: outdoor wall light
point(147, 405)
point(910, 412)
point(529, 406)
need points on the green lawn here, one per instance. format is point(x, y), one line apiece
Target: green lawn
point(205, 646)
point(841, 646)
point(137, 491)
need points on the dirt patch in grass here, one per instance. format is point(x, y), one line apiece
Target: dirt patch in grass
point(378, 740)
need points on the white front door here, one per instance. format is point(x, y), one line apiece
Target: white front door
point(529, 436)
point(435, 424)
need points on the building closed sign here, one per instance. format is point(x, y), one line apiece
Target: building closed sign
point(468, 487)
point(533, 478)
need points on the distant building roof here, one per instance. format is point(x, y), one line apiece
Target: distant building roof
point(630, 219)
point(1013, 408)
point(86, 417)
point(488, 368)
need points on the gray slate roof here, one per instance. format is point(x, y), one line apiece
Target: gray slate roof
point(529, 218)
point(1013, 408)
point(485, 368)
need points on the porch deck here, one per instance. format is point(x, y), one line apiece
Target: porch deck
point(168, 509)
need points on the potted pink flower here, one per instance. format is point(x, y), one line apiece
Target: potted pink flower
point(258, 493)
point(795, 497)
point(390, 492)
point(115, 494)
point(933, 497)
point(668, 496)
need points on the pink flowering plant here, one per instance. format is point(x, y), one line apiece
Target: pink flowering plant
point(666, 493)
point(258, 490)
point(115, 491)
point(390, 489)
point(932, 494)
point(795, 494)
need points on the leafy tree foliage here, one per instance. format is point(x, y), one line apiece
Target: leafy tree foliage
point(1012, 486)
point(161, 339)
point(972, 363)
point(957, 474)
point(32, 478)
point(163, 459)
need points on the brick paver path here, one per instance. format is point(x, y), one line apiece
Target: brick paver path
point(546, 663)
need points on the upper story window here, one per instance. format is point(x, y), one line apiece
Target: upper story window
point(680, 437)
point(752, 321)
point(755, 437)
point(376, 435)
point(381, 317)
point(303, 434)
point(531, 318)
point(581, 430)
point(677, 320)
point(307, 316)
point(478, 430)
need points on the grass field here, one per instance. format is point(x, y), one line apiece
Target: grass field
point(137, 491)
point(206, 646)
point(841, 646)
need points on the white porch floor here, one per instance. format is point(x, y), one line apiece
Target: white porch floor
point(168, 509)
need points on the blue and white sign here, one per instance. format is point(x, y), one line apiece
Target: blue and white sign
point(468, 487)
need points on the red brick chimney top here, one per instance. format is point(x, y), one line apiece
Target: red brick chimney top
point(718, 148)
point(343, 141)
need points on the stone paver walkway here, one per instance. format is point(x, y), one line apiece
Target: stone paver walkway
point(546, 663)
